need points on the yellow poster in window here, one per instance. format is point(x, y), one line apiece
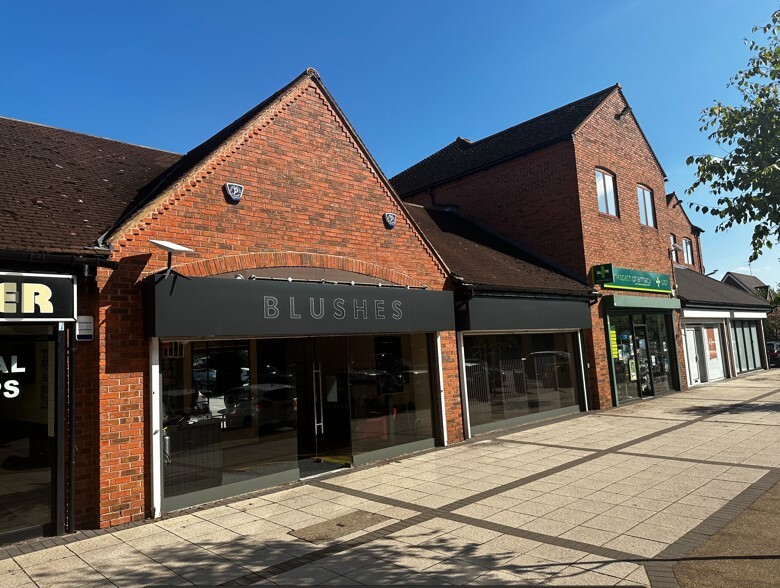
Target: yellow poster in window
point(613, 343)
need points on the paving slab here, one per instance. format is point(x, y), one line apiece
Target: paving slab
point(674, 490)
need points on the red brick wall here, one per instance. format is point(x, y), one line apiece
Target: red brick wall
point(311, 198)
point(547, 201)
point(531, 199)
point(618, 146)
point(680, 225)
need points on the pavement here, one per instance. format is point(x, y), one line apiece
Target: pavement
point(662, 492)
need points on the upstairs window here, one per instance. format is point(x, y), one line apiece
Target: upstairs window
point(646, 207)
point(673, 249)
point(688, 251)
point(605, 188)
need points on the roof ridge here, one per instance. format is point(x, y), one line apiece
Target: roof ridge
point(544, 114)
point(478, 149)
point(60, 129)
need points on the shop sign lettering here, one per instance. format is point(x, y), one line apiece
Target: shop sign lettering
point(37, 297)
point(27, 298)
point(10, 387)
point(619, 278)
point(338, 308)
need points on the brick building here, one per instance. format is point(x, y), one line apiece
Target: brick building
point(581, 186)
point(263, 308)
point(521, 324)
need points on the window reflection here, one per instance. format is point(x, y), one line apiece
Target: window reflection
point(237, 410)
point(27, 427)
point(223, 423)
point(509, 376)
point(390, 391)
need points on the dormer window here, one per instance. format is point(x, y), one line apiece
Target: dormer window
point(646, 206)
point(605, 188)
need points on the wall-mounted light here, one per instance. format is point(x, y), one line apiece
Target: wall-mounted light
point(171, 248)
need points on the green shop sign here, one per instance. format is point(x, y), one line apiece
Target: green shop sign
point(619, 278)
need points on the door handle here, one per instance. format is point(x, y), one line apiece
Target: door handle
point(319, 421)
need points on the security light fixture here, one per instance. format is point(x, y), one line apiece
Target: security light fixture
point(171, 248)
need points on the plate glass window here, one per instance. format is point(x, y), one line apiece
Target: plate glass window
point(510, 376)
point(646, 208)
point(605, 188)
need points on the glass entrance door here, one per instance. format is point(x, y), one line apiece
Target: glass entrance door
point(641, 355)
point(643, 361)
point(324, 439)
point(692, 356)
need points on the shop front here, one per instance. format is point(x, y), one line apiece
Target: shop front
point(34, 312)
point(263, 382)
point(706, 358)
point(724, 335)
point(522, 359)
point(642, 353)
point(640, 332)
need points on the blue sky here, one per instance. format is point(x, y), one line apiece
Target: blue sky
point(410, 76)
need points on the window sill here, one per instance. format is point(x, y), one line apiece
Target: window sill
point(609, 216)
point(649, 227)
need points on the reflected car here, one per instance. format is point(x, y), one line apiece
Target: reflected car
point(261, 405)
point(773, 353)
point(479, 369)
point(184, 404)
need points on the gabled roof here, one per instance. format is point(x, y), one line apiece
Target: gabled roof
point(60, 190)
point(463, 156)
point(483, 259)
point(696, 289)
point(749, 283)
point(670, 198)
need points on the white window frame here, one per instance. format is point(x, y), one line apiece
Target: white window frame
point(646, 205)
point(688, 251)
point(672, 248)
point(601, 183)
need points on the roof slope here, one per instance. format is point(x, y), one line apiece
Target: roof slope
point(485, 259)
point(462, 156)
point(695, 288)
point(750, 282)
point(60, 190)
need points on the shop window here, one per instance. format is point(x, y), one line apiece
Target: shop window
point(646, 206)
point(236, 412)
point(28, 445)
point(673, 249)
point(641, 355)
point(605, 188)
point(688, 251)
point(510, 376)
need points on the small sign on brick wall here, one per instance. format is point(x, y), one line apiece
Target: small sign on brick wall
point(85, 328)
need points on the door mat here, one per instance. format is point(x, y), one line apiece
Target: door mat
point(339, 527)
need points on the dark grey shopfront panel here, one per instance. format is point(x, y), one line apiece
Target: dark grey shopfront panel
point(205, 307)
point(503, 314)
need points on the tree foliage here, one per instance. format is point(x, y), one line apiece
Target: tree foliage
point(745, 179)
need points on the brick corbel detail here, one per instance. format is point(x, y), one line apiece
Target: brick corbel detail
point(249, 261)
